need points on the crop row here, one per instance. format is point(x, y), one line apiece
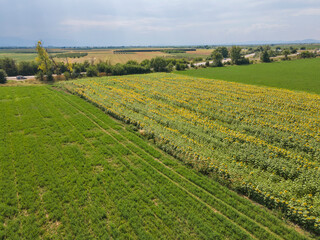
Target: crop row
point(69, 171)
point(261, 137)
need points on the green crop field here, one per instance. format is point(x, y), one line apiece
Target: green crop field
point(261, 141)
point(68, 171)
point(302, 75)
point(19, 57)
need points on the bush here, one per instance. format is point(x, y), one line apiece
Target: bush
point(101, 67)
point(265, 57)
point(50, 76)
point(118, 69)
point(158, 64)
point(3, 76)
point(9, 66)
point(217, 58)
point(306, 54)
point(170, 67)
point(135, 69)
point(178, 67)
point(67, 75)
point(39, 76)
point(27, 68)
point(198, 59)
point(92, 71)
point(242, 61)
point(145, 63)
point(76, 71)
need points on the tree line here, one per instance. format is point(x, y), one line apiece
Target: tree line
point(44, 67)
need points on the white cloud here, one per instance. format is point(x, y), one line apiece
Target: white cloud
point(307, 12)
point(125, 21)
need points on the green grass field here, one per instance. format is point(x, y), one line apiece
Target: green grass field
point(19, 57)
point(301, 75)
point(68, 171)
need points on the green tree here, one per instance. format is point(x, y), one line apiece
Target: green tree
point(286, 52)
point(132, 62)
point(235, 54)
point(158, 64)
point(67, 75)
point(293, 50)
point(102, 67)
point(76, 72)
point(266, 48)
point(145, 63)
point(92, 71)
point(217, 58)
point(27, 68)
point(45, 63)
point(118, 69)
point(306, 54)
point(9, 66)
point(223, 50)
point(170, 67)
point(178, 67)
point(265, 56)
point(3, 76)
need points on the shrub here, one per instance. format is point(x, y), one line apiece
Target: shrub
point(50, 76)
point(9, 66)
point(217, 58)
point(118, 69)
point(27, 68)
point(265, 57)
point(39, 76)
point(178, 67)
point(170, 67)
point(306, 54)
point(67, 75)
point(242, 61)
point(135, 69)
point(92, 71)
point(76, 71)
point(198, 59)
point(158, 64)
point(3, 76)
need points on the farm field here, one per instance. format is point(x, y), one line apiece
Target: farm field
point(19, 57)
point(28, 54)
point(96, 55)
point(107, 55)
point(302, 74)
point(69, 171)
point(204, 53)
point(261, 141)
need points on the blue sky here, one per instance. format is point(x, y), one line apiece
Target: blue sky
point(149, 22)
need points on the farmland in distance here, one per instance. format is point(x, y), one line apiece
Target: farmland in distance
point(261, 141)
